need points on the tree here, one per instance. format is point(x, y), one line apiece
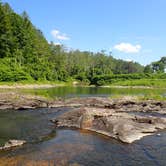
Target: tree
point(26, 54)
point(148, 69)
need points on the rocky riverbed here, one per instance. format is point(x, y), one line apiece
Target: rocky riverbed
point(119, 119)
point(124, 119)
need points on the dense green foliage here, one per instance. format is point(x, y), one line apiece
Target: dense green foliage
point(24, 51)
point(25, 54)
point(142, 79)
point(156, 67)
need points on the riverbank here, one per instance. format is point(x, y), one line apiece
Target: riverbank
point(38, 86)
point(142, 83)
point(31, 85)
point(131, 83)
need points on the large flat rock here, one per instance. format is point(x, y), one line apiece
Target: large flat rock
point(123, 126)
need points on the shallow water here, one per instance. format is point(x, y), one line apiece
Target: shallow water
point(47, 146)
point(68, 92)
point(31, 125)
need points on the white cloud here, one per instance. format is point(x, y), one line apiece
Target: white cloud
point(58, 35)
point(56, 43)
point(128, 48)
point(128, 60)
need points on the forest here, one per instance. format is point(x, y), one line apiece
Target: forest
point(26, 55)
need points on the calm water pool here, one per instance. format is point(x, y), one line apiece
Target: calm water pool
point(68, 92)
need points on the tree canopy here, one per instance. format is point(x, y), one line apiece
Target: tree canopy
point(25, 54)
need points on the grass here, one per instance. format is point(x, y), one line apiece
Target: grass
point(35, 83)
point(144, 97)
point(68, 82)
point(158, 83)
point(152, 97)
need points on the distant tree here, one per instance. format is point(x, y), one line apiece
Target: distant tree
point(148, 69)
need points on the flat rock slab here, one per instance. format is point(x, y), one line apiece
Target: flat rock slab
point(17, 101)
point(122, 126)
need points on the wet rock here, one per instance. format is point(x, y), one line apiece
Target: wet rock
point(119, 125)
point(11, 100)
point(12, 143)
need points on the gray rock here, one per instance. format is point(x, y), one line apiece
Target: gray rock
point(119, 125)
point(12, 143)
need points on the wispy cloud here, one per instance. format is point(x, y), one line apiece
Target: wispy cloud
point(128, 60)
point(128, 48)
point(56, 43)
point(58, 35)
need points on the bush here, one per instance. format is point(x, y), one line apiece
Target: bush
point(110, 79)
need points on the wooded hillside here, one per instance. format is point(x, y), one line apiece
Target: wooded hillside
point(25, 54)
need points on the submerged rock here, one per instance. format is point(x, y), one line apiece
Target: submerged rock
point(119, 125)
point(12, 143)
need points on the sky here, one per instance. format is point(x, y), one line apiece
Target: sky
point(133, 30)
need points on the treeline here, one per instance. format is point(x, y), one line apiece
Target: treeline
point(111, 79)
point(25, 54)
point(156, 67)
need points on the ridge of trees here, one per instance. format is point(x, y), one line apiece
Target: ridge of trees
point(25, 54)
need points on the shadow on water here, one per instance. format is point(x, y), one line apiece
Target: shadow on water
point(30, 125)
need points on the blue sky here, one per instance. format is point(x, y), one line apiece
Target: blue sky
point(131, 29)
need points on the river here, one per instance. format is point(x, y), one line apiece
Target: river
point(49, 146)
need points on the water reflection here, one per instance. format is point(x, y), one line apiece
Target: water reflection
point(92, 91)
point(47, 146)
point(89, 149)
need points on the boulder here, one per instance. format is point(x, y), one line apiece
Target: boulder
point(119, 125)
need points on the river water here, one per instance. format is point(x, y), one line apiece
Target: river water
point(67, 92)
point(49, 146)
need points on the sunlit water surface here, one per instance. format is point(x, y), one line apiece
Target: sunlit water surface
point(68, 92)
